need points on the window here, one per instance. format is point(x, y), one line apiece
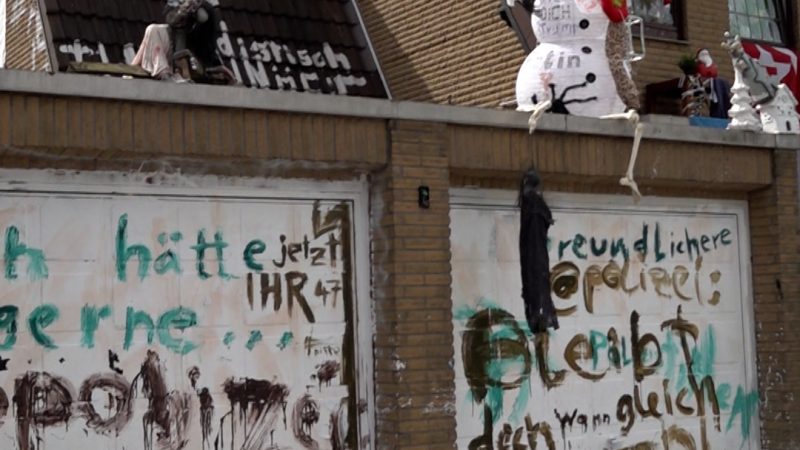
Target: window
point(663, 18)
point(760, 20)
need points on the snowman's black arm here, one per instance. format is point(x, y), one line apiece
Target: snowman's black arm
point(580, 100)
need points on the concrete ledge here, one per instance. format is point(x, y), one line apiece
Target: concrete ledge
point(74, 85)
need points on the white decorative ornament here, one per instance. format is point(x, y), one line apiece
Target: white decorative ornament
point(780, 114)
point(743, 115)
point(748, 75)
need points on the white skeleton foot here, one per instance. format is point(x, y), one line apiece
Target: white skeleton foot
point(538, 110)
point(631, 183)
point(633, 117)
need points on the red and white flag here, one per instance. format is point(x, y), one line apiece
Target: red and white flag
point(781, 64)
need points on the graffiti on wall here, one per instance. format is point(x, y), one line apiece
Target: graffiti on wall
point(170, 323)
point(651, 353)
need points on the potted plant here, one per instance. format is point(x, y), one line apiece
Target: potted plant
point(688, 65)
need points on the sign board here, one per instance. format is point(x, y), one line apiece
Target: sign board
point(142, 315)
point(655, 348)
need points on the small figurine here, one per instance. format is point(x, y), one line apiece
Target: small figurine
point(749, 78)
point(780, 115)
point(752, 73)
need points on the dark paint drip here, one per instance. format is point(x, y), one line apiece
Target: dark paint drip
point(41, 400)
point(168, 413)
point(206, 415)
point(206, 406)
point(194, 375)
point(3, 406)
point(120, 409)
point(304, 416)
point(327, 371)
point(341, 214)
point(259, 404)
point(339, 425)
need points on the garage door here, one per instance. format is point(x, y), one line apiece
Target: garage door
point(656, 344)
point(170, 312)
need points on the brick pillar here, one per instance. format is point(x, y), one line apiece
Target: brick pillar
point(776, 290)
point(414, 378)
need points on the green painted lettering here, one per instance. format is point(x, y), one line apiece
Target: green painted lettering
point(746, 406)
point(218, 245)
point(255, 338)
point(577, 245)
point(562, 245)
point(176, 319)
point(597, 340)
point(134, 319)
point(124, 252)
point(640, 245)
point(167, 261)
point(90, 321)
point(14, 249)
point(8, 324)
point(228, 339)
point(41, 318)
point(723, 236)
point(254, 247)
point(598, 251)
point(618, 247)
point(657, 247)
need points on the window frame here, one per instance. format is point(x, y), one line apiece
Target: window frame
point(521, 25)
point(785, 13)
point(659, 31)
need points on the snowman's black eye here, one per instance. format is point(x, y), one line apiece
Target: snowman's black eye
point(590, 77)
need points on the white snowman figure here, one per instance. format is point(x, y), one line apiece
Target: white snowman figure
point(581, 63)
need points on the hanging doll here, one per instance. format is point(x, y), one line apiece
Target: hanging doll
point(536, 219)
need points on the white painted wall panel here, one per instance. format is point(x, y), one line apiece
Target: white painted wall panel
point(588, 397)
point(183, 353)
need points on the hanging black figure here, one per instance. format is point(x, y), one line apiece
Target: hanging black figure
point(536, 218)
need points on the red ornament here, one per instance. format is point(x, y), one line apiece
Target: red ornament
point(616, 10)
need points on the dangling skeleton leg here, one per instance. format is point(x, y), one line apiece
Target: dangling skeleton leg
point(633, 117)
point(538, 110)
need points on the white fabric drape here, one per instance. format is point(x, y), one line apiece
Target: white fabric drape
point(153, 54)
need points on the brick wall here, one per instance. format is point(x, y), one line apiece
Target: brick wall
point(41, 131)
point(26, 47)
point(410, 246)
point(776, 283)
point(411, 258)
point(462, 53)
